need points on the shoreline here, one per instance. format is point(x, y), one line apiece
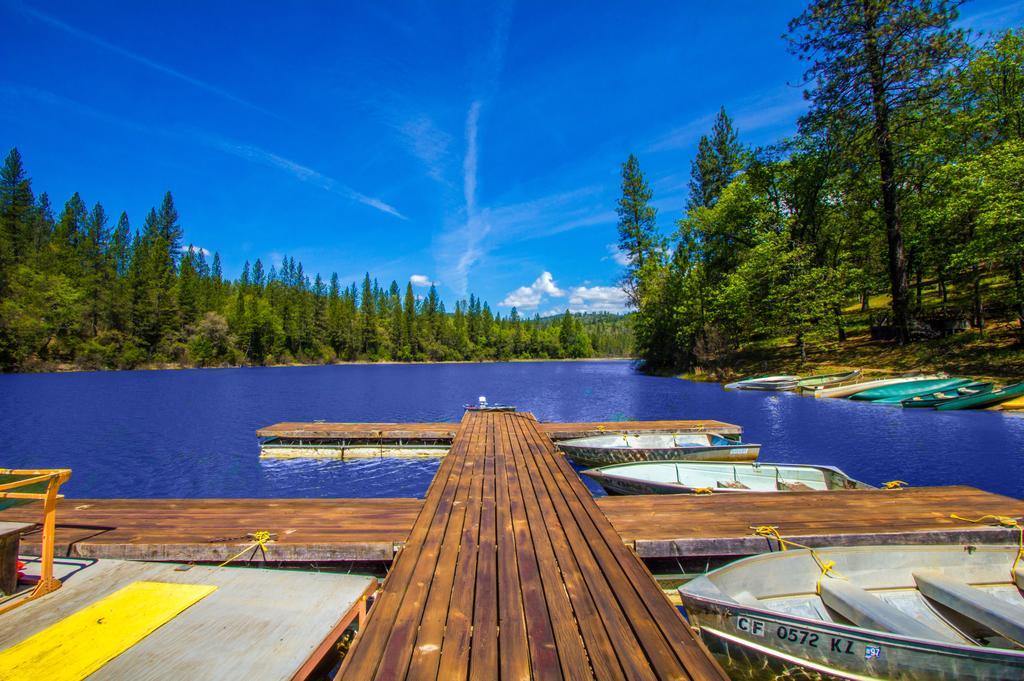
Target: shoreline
point(70, 369)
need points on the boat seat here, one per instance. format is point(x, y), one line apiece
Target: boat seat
point(794, 486)
point(1002, 617)
point(869, 611)
point(731, 484)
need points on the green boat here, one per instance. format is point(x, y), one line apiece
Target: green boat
point(989, 399)
point(909, 388)
point(899, 398)
point(812, 383)
point(930, 400)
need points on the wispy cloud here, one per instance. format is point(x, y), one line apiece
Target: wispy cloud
point(616, 255)
point(469, 164)
point(428, 143)
point(765, 110)
point(54, 22)
point(301, 172)
point(241, 150)
point(994, 19)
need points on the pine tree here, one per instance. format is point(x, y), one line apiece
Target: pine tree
point(717, 161)
point(97, 269)
point(873, 67)
point(170, 230)
point(16, 219)
point(638, 236)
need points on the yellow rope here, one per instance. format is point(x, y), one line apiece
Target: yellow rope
point(827, 567)
point(1002, 521)
point(703, 490)
point(894, 484)
point(260, 539)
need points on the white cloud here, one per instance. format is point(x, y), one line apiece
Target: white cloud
point(529, 297)
point(421, 280)
point(616, 255)
point(597, 299)
point(197, 249)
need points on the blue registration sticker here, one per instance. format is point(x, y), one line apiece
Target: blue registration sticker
point(872, 652)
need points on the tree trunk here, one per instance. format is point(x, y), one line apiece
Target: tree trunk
point(887, 176)
point(840, 331)
point(918, 284)
point(977, 310)
point(943, 291)
point(865, 300)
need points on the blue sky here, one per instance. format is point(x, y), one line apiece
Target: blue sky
point(470, 144)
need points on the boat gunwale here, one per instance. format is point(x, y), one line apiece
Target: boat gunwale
point(849, 630)
point(597, 473)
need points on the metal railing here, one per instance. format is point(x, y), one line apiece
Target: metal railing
point(52, 479)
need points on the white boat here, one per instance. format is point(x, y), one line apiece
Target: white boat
point(603, 450)
point(854, 388)
point(942, 612)
point(682, 477)
point(765, 383)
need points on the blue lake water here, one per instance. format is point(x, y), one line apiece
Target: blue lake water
point(191, 433)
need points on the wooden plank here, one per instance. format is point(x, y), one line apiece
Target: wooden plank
point(687, 525)
point(544, 660)
point(365, 654)
point(566, 431)
point(577, 647)
point(257, 624)
point(395, 431)
point(636, 588)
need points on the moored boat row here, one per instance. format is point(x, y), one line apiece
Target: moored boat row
point(917, 391)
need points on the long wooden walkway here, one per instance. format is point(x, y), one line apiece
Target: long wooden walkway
point(512, 572)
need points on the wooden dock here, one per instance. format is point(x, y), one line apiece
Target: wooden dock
point(511, 572)
point(670, 526)
point(337, 530)
point(509, 567)
point(446, 431)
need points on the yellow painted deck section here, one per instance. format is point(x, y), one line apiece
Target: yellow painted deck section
point(83, 642)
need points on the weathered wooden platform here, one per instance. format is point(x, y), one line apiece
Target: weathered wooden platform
point(720, 525)
point(446, 431)
point(211, 530)
point(511, 571)
point(314, 530)
point(258, 624)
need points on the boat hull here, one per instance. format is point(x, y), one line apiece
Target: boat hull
point(606, 456)
point(614, 481)
point(902, 391)
point(853, 388)
point(989, 399)
point(932, 400)
point(747, 638)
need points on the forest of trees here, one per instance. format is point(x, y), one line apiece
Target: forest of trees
point(905, 174)
point(80, 290)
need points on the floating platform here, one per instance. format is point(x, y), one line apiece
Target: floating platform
point(255, 624)
point(292, 440)
point(662, 526)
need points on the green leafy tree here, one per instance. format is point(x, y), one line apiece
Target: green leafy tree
point(872, 63)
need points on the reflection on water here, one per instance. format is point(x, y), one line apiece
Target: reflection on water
point(191, 433)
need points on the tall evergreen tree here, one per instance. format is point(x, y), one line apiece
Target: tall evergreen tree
point(872, 65)
point(638, 235)
point(718, 160)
